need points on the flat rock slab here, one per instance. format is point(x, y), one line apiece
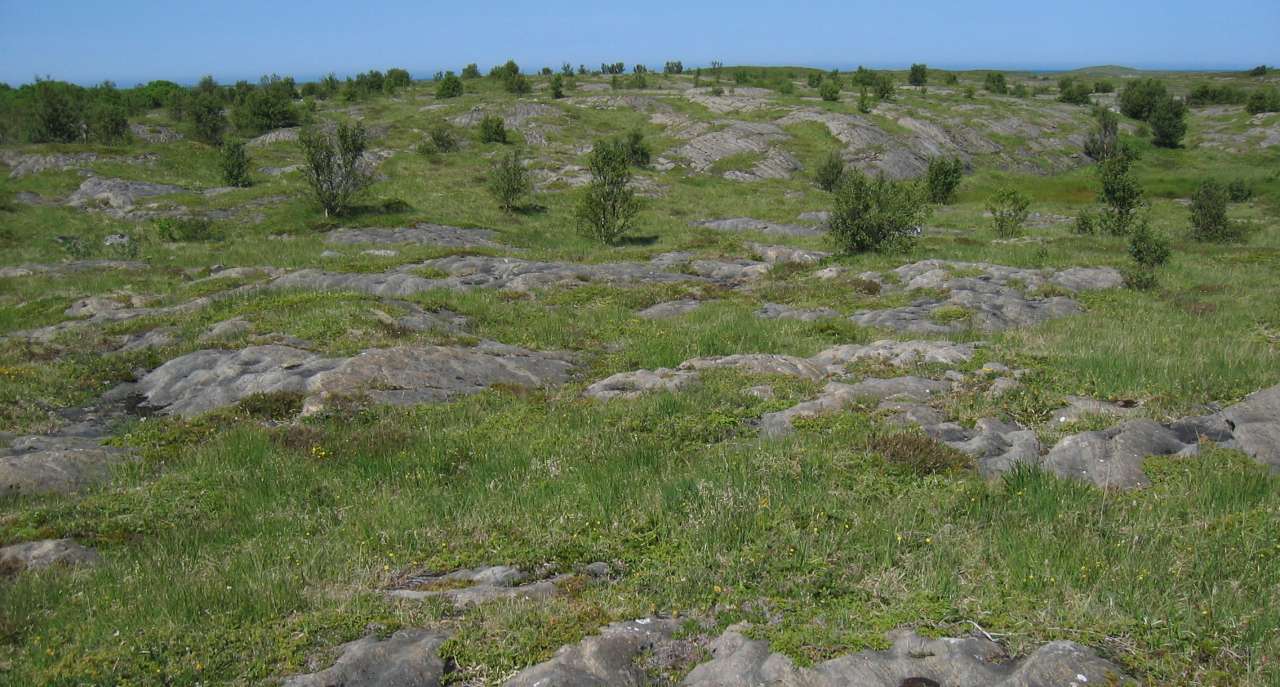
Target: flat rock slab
point(607, 659)
point(204, 380)
point(55, 464)
point(477, 272)
point(778, 311)
point(474, 586)
point(757, 225)
point(669, 309)
point(899, 353)
point(1255, 425)
point(37, 555)
point(912, 661)
point(408, 658)
point(982, 296)
point(117, 194)
point(421, 234)
point(639, 382)
point(775, 255)
point(72, 267)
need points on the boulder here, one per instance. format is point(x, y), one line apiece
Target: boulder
point(41, 554)
point(55, 464)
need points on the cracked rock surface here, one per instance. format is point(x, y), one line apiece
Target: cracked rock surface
point(408, 658)
point(912, 661)
point(56, 464)
point(422, 234)
point(207, 379)
point(474, 586)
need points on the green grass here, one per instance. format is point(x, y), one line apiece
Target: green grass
point(245, 545)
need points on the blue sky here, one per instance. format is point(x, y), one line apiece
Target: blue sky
point(136, 40)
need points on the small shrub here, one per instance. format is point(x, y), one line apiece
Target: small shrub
point(608, 206)
point(995, 83)
point(943, 179)
point(815, 79)
point(1216, 94)
point(1263, 100)
point(1087, 222)
point(864, 101)
point(1009, 210)
point(557, 86)
point(1168, 123)
point(264, 109)
point(970, 92)
point(885, 88)
point(185, 229)
point(828, 174)
point(637, 80)
point(920, 454)
point(492, 129)
point(875, 214)
point(1139, 98)
point(509, 181)
point(1104, 87)
point(1074, 92)
point(1120, 194)
point(234, 164)
point(1149, 250)
point(717, 91)
point(449, 87)
point(829, 90)
point(332, 166)
point(1103, 142)
point(442, 138)
point(1239, 191)
point(1209, 213)
point(637, 150)
point(471, 71)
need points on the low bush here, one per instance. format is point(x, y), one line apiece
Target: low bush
point(1239, 191)
point(557, 86)
point(829, 90)
point(1263, 100)
point(207, 120)
point(1140, 97)
point(1009, 210)
point(234, 164)
point(919, 75)
point(995, 82)
point(1216, 94)
point(1148, 250)
point(449, 87)
point(509, 181)
point(1208, 210)
point(942, 179)
point(875, 214)
point(637, 149)
point(492, 129)
point(185, 229)
point(1119, 193)
point(829, 173)
point(920, 454)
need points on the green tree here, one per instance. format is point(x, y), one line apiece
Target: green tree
point(1120, 194)
point(557, 86)
point(829, 90)
point(995, 83)
point(919, 75)
point(333, 168)
point(1208, 209)
point(1149, 250)
point(1103, 142)
point(608, 206)
point(492, 129)
point(207, 118)
point(1168, 123)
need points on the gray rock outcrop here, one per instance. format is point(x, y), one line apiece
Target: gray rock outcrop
point(37, 555)
point(408, 658)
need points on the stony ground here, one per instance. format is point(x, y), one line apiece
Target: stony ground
point(435, 443)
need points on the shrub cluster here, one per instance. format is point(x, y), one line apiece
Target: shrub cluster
point(1208, 210)
point(1263, 100)
point(1216, 94)
point(919, 75)
point(1149, 250)
point(875, 214)
point(1103, 142)
point(493, 129)
point(995, 83)
point(449, 86)
point(943, 178)
point(1072, 91)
